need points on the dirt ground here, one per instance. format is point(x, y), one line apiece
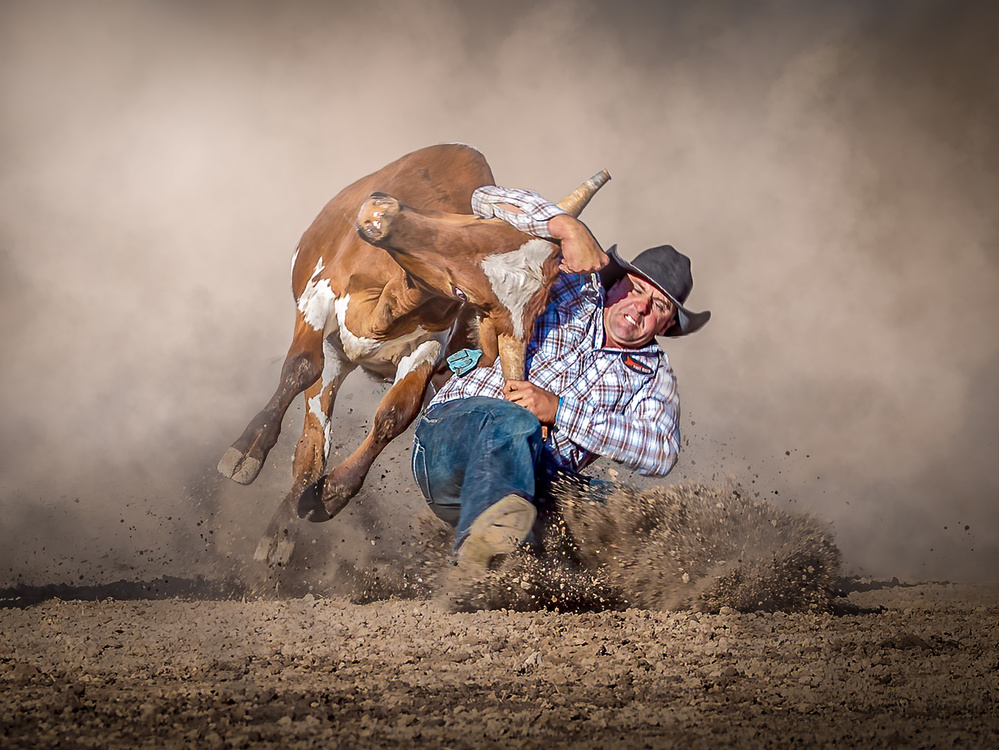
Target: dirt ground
point(195, 663)
point(899, 665)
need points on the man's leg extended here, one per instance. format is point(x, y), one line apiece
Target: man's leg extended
point(472, 453)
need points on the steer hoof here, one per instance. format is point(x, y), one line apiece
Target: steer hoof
point(276, 551)
point(329, 507)
point(334, 499)
point(239, 467)
point(338, 488)
point(310, 503)
point(278, 542)
point(334, 502)
point(374, 220)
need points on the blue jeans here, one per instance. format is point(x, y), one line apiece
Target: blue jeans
point(472, 452)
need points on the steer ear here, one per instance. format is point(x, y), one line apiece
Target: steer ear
point(574, 203)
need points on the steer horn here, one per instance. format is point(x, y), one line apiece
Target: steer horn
point(574, 203)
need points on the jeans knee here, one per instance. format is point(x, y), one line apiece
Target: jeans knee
point(521, 421)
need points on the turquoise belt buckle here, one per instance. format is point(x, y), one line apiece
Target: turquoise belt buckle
point(463, 361)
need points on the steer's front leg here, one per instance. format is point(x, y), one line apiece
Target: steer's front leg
point(278, 542)
point(243, 461)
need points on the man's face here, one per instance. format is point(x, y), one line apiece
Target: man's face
point(636, 313)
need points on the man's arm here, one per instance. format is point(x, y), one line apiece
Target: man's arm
point(534, 215)
point(581, 253)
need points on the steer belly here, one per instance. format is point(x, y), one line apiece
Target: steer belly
point(386, 358)
point(383, 357)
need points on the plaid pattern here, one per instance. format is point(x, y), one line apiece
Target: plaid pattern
point(618, 403)
point(537, 210)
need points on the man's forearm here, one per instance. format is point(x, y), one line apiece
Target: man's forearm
point(531, 213)
point(581, 253)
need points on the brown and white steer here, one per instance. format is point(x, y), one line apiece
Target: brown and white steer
point(502, 273)
point(356, 306)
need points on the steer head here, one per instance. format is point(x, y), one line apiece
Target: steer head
point(501, 272)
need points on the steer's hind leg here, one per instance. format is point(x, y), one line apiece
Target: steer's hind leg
point(311, 454)
point(278, 542)
point(243, 461)
point(396, 411)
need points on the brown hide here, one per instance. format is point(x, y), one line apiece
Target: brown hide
point(447, 253)
point(440, 177)
point(386, 312)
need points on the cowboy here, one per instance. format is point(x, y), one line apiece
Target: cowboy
point(598, 384)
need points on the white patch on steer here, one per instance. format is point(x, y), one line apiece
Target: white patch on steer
point(428, 351)
point(314, 302)
point(294, 258)
point(355, 347)
point(379, 356)
point(335, 369)
point(316, 408)
point(516, 276)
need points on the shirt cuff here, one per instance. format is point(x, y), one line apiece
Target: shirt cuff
point(537, 211)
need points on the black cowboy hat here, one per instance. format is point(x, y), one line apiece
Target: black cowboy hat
point(669, 271)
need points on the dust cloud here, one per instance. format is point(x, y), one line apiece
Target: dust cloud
point(687, 546)
point(830, 167)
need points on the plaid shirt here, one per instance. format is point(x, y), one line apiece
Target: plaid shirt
point(618, 403)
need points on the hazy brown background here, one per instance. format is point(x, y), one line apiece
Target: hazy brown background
point(830, 167)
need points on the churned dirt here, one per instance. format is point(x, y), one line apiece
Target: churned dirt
point(687, 616)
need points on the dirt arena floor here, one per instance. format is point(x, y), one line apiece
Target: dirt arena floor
point(688, 659)
point(896, 666)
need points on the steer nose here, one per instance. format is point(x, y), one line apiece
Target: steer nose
point(374, 220)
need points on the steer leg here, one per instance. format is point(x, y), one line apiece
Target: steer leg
point(244, 460)
point(396, 411)
point(311, 453)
